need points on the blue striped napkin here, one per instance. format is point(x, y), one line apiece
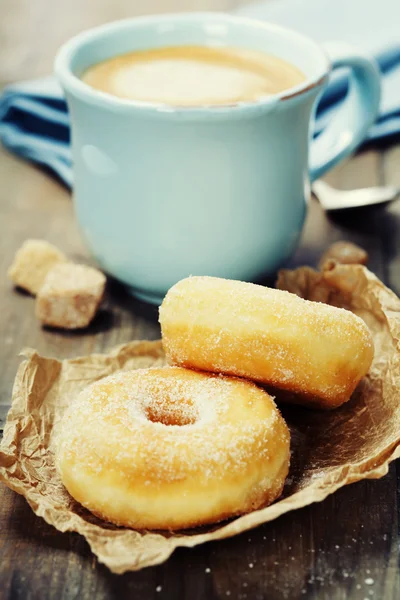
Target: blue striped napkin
point(34, 122)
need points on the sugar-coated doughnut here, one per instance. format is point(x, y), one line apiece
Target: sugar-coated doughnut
point(314, 350)
point(169, 448)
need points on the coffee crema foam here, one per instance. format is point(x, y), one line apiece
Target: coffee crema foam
point(193, 75)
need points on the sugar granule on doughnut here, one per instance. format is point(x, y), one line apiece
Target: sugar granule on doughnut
point(316, 351)
point(168, 448)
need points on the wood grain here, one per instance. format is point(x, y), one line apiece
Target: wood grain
point(328, 551)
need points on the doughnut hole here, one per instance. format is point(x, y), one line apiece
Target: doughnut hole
point(168, 411)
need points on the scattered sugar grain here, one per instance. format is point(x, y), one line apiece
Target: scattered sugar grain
point(159, 588)
point(369, 581)
point(207, 570)
point(251, 565)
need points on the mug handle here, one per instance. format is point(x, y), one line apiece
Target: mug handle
point(359, 110)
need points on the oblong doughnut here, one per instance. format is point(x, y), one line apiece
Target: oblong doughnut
point(270, 336)
point(169, 448)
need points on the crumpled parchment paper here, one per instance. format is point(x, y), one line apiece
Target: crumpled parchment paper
point(329, 449)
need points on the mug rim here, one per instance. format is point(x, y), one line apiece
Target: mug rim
point(73, 84)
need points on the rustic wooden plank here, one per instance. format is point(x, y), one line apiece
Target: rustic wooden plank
point(326, 551)
point(329, 550)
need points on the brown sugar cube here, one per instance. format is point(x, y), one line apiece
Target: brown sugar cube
point(345, 253)
point(32, 262)
point(70, 296)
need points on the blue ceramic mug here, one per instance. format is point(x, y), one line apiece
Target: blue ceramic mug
point(162, 192)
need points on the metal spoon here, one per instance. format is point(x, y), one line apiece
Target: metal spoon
point(333, 199)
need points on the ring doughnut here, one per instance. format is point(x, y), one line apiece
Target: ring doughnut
point(169, 448)
point(317, 351)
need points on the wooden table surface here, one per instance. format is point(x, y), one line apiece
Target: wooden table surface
point(344, 547)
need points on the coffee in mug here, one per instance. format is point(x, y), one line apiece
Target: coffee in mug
point(193, 75)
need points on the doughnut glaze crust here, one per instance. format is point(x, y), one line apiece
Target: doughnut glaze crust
point(315, 351)
point(169, 448)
